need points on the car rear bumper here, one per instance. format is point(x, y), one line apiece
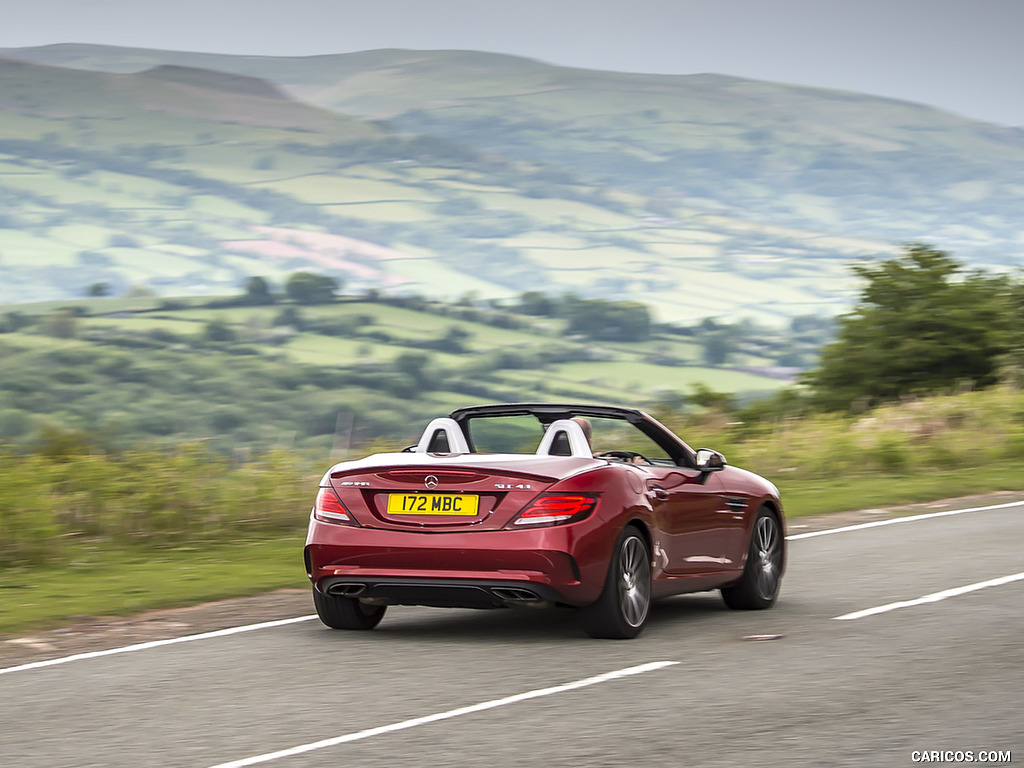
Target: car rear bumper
point(440, 592)
point(549, 565)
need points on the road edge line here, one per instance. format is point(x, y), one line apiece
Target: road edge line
point(447, 715)
point(934, 597)
point(155, 644)
point(895, 520)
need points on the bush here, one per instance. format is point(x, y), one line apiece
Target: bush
point(890, 453)
point(218, 330)
point(141, 496)
point(29, 533)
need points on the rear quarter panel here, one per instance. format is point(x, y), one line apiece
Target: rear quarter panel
point(621, 502)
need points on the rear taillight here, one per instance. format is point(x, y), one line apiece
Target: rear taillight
point(328, 508)
point(557, 509)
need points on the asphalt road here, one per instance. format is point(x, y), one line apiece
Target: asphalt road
point(942, 676)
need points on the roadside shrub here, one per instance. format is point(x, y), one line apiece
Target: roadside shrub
point(1014, 446)
point(29, 532)
point(839, 453)
point(152, 498)
point(940, 455)
point(890, 452)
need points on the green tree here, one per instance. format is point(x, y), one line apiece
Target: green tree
point(413, 365)
point(218, 330)
point(98, 289)
point(1012, 365)
point(922, 325)
point(290, 316)
point(454, 340)
point(257, 292)
point(311, 288)
point(536, 303)
point(610, 320)
point(704, 396)
point(717, 347)
point(15, 321)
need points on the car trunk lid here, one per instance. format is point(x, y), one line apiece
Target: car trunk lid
point(472, 494)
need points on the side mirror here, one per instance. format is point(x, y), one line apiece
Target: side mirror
point(710, 461)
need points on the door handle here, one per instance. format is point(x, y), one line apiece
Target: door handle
point(658, 494)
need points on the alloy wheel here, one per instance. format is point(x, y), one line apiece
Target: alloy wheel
point(767, 543)
point(634, 581)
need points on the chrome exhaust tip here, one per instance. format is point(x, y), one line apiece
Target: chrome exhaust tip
point(347, 590)
point(515, 595)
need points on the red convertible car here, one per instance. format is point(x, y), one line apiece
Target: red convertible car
point(598, 508)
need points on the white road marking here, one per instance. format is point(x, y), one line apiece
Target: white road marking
point(932, 598)
point(156, 644)
point(269, 624)
point(369, 732)
point(895, 520)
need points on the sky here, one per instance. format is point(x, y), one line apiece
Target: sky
point(964, 56)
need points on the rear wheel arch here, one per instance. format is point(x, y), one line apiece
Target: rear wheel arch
point(622, 609)
point(643, 528)
point(645, 532)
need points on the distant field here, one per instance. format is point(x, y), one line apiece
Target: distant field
point(398, 211)
point(551, 211)
point(647, 379)
point(337, 189)
point(146, 324)
point(320, 350)
point(432, 277)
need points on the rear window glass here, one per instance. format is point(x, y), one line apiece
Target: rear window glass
point(505, 434)
point(522, 434)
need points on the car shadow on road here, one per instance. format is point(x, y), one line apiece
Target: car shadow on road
point(687, 608)
point(524, 624)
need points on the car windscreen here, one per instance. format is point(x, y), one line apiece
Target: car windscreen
point(620, 435)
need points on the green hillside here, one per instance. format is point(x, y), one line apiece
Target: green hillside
point(328, 377)
point(452, 172)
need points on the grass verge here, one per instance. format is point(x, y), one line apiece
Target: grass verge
point(842, 494)
point(105, 581)
point(97, 580)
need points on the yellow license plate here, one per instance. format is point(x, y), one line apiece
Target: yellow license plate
point(432, 504)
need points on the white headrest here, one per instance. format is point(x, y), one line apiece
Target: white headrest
point(456, 440)
point(578, 445)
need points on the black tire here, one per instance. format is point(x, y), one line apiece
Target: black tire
point(346, 612)
point(621, 611)
point(758, 587)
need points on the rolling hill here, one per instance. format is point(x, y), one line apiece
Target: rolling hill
point(703, 196)
point(238, 375)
